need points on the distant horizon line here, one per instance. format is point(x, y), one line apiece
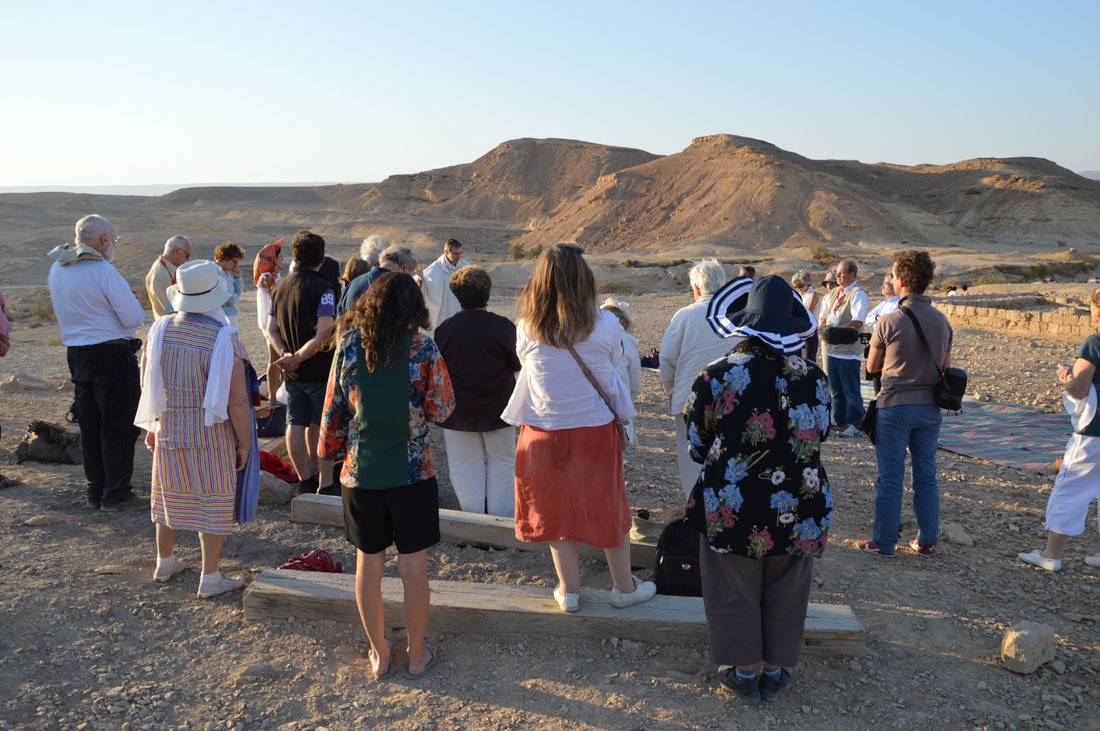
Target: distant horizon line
point(155, 189)
point(152, 190)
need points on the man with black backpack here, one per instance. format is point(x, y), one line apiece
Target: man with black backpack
point(911, 347)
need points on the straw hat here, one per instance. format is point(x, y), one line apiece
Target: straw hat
point(198, 288)
point(622, 309)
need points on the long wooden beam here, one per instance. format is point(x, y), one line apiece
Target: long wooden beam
point(456, 526)
point(505, 609)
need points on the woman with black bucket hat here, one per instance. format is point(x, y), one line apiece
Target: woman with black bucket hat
point(756, 420)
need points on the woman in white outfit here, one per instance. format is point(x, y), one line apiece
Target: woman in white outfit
point(1078, 481)
point(630, 367)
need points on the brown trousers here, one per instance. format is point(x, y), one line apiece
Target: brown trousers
point(756, 608)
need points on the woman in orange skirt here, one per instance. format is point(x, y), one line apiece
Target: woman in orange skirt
point(568, 398)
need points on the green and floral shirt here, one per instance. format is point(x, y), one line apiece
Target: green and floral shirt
point(755, 422)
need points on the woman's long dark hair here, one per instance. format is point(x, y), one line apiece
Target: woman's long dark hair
point(390, 307)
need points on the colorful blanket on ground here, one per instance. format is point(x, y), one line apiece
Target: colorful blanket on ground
point(1007, 434)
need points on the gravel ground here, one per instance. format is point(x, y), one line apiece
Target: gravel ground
point(87, 650)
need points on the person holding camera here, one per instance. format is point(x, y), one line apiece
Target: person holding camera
point(910, 367)
point(845, 309)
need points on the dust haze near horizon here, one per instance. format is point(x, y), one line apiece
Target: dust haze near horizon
point(129, 94)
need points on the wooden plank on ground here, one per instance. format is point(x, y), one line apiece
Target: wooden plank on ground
point(504, 609)
point(275, 445)
point(456, 526)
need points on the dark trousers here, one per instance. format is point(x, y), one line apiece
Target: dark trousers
point(756, 608)
point(107, 390)
point(809, 349)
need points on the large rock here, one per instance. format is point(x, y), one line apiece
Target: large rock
point(1027, 646)
point(955, 533)
point(274, 491)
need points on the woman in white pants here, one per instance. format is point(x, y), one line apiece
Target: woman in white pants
point(479, 348)
point(1078, 481)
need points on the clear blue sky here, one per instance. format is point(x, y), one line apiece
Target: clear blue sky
point(149, 92)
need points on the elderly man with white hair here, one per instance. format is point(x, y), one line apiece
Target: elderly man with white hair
point(371, 249)
point(393, 258)
point(689, 345)
point(162, 274)
point(98, 316)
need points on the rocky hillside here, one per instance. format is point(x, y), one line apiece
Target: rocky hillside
point(721, 191)
point(725, 189)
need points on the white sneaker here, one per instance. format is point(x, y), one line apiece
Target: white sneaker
point(643, 592)
point(1036, 558)
point(849, 431)
point(220, 584)
point(1093, 561)
point(168, 568)
point(567, 601)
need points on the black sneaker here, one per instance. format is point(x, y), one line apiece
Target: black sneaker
point(330, 489)
point(747, 690)
point(308, 485)
point(771, 688)
point(126, 504)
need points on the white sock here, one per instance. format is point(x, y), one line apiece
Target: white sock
point(207, 578)
point(161, 562)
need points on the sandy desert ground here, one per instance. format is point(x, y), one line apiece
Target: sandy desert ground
point(81, 650)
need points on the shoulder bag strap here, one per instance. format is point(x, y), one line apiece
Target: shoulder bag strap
point(920, 334)
point(592, 379)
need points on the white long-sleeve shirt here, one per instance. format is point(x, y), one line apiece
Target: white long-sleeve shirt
point(630, 367)
point(438, 297)
point(93, 303)
point(551, 390)
point(689, 345)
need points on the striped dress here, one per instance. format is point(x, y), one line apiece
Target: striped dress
point(194, 466)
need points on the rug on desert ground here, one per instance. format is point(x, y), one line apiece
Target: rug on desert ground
point(1006, 434)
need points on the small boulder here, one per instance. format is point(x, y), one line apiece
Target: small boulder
point(274, 491)
point(40, 520)
point(955, 533)
point(1027, 646)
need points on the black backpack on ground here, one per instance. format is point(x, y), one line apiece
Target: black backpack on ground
point(676, 571)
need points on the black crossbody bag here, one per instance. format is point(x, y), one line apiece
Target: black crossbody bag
point(948, 393)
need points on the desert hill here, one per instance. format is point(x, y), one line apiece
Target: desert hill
point(728, 190)
point(722, 193)
point(521, 182)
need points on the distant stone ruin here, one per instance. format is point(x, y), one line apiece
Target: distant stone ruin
point(1020, 315)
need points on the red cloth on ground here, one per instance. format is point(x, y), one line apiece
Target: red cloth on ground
point(570, 486)
point(283, 470)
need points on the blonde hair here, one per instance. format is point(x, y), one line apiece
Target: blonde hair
point(1095, 298)
point(558, 304)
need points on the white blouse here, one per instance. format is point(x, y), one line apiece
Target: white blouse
point(551, 390)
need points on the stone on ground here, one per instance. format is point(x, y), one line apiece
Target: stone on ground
point(1027, 646)
point(955, 533)
point(274, 491)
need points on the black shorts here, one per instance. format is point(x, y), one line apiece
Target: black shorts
point(407, 516)
point(304, 403)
